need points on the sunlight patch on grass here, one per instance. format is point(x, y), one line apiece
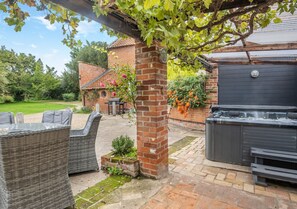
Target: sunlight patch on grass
point(32, 107)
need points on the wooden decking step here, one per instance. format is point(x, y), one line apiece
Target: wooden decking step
point(274, 155)
point(276, 173)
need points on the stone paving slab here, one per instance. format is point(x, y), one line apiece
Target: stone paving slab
point(110, 127)
point(133, 194)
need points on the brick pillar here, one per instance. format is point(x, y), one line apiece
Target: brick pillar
point(152, 131)
point(211, 87)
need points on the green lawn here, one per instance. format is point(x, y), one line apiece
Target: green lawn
point(32, 107)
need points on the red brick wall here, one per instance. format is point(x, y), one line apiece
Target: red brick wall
point(101, 101)
point(121, 56)
point(152, 121)
point(87, 72)
point(196, 117)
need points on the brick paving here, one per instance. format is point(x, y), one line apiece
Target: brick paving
point(192, 184)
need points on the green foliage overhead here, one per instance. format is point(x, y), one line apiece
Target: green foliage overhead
point(54, 13)
point(122, 145)
point(175, 70)
point(187, 28)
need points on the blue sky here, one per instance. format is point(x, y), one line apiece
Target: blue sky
point(43, 40)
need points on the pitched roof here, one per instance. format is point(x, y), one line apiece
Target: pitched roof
point(85, 86)
point(122, 42)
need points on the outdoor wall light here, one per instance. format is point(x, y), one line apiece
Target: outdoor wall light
point(163, 56)
point(255, 74)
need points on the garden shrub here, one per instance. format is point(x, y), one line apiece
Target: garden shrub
point(68, 97)
point(122, 145)
point(6, 99)
point(187, 92)
point(83, 110)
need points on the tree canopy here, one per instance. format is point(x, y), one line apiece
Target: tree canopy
point(187, 28)
point(23, 77)
point(91, 53)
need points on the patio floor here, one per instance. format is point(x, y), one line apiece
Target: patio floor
point(193, 181)
point(110, 127)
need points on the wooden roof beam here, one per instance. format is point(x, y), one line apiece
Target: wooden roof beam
point(112, 20)
point(254, 61)
point(231, 4)
point(260, 47)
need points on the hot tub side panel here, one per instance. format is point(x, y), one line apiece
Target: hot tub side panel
point(223, 143)
point(283, 139)
point(231, 143)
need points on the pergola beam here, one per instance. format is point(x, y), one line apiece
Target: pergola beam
point(253, 61)
point(112, 20)
point(260, 47)
point(235, 4)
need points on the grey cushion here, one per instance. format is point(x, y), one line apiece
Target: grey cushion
point(57, 116)
point(6, 118)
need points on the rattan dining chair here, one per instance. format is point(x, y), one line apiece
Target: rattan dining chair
point(82, 154)
point(33, 172)
point(6, 118)
point(63, 117)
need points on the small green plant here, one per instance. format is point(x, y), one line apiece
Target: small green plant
point(132, 154)
point(114, 171)
point(68, 97)
point(122, 145)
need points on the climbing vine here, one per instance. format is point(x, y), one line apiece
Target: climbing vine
point(186, 28)
point(92, 95)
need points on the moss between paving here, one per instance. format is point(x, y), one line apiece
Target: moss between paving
point(91, 197)
point(176, 146)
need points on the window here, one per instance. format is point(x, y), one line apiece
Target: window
point(103, 94)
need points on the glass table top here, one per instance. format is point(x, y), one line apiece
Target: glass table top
point(28, 127)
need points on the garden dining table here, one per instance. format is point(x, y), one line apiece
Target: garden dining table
point(34, 166)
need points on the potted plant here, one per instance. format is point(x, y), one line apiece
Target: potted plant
point(123, 157)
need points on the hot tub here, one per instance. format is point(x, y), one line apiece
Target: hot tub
point(232, 130)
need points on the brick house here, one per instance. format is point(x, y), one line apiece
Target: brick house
point(120, 52)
